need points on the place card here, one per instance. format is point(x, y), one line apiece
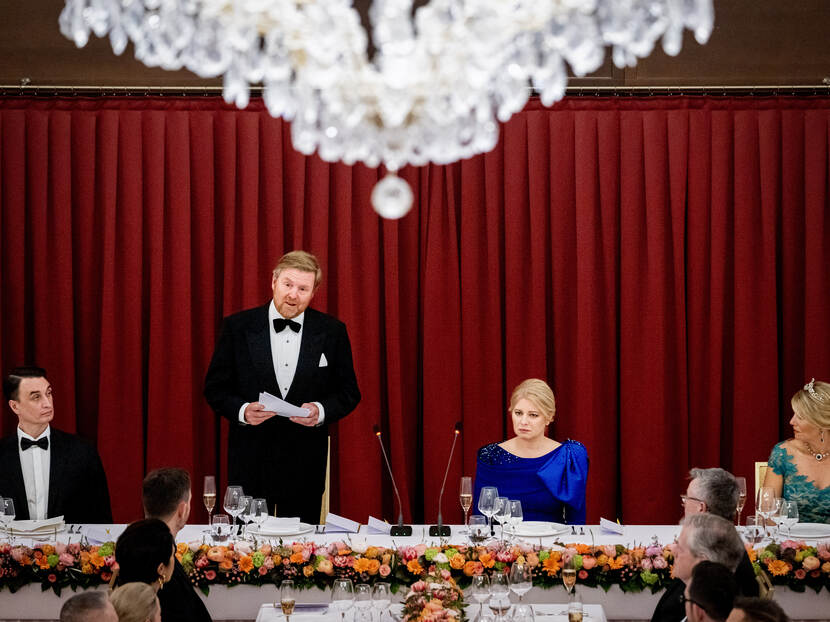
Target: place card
point(378, 526)
point(340, 524)
point(611, 526)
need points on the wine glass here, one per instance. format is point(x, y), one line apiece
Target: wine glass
point(342, 596)
point(788, 516)
point(487, 503)
point(765, 503)
point(741, 497)
point(233, 502)
point(520, 579)
point(569, 576)
point(7, 511)
point(259, 512)
point(480, 590)
point(245, 514)
point(362, 597)
point(465, 495)
point(381, 598)
point(775, 517)
point(499, 594)
point(220, 528)
point(502, 513)
point(209, 494)
point(516, 515)
point(478, 529)
point(287, 598)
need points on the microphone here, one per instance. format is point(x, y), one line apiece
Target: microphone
point(400, 529)
point(442, 530)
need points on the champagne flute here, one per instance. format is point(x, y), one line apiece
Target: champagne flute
point(287, 598)
point(245, 514)
point(569, 576)
point(381, 598)
point(765, 503)
point(233, 502)
point(741, 497)
point(465, 495)
point(480, 591)
point(502, 513)
point(209, 495)
point(342, 596)
point(487, 504)
point(520, 579)
point(575, 609)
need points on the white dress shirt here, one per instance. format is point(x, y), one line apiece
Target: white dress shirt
point(35, 465)
point(285, 352)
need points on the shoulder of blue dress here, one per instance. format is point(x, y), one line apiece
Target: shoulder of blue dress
point(575, 446)
point(494, 455)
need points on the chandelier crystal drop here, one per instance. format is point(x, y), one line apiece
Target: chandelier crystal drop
point(437, 85)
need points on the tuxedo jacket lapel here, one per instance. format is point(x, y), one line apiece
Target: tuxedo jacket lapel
point(58, 462)
point(13, 476)
point(310, 349)
point(259, 345)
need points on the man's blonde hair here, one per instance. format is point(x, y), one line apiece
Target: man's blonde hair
point(539, 393)
point(302, 261)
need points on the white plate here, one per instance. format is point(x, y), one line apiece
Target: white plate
point(275, 533)
point(809, 531)
point(540, 529)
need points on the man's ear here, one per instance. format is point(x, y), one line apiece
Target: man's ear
point(15, 406)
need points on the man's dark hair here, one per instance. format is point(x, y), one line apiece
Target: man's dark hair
point(163, 490)
point(140, 549)
point(760, 610)
point(11, 383)
point(713, 588)
point(84, 607)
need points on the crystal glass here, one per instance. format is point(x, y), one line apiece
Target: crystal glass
point(362, 596)
point(480, 590)
point(765, 503)
point(478, 529)
point(381, 598)
point(209, 494)
point(465, 495)
point(520, 579)
point(569, 576)
point(741, 498)
point(502, 513)
point(753, 532)
point(516, 515)
point(259, 511)
point(487, 503)
point(233, 502)
point(220, 527)
point(287, 598)
point(245, 514)
point(788, 515)
point(575, 608)
point(342, 596)
point(7, 512)
point(775, 516)
point(523, 613)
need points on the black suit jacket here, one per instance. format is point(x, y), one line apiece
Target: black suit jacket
point(280, 460)
point(77, 482)
point(179, 601)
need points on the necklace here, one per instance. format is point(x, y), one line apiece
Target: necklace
point(816, 454)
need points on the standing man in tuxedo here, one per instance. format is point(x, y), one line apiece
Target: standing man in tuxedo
point(301, 355)
point(45, 471)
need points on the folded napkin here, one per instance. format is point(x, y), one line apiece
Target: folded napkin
point(613, 527)
point(277, 523)
point(340, 524)
point(378, 526)
point(36, 527)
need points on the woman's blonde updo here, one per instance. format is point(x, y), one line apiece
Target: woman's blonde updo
point(539, 393)
point(135, 602)
point(813, 403)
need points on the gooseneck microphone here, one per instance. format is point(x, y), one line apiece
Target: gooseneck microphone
point(400, 529)
point(441, 530)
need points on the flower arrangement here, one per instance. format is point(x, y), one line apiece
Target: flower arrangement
point(434, 598)
point(56, 566)
point(794, 564)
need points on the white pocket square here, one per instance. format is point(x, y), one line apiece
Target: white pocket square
point(323, 361)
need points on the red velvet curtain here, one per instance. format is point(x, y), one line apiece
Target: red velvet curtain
point(663, 262)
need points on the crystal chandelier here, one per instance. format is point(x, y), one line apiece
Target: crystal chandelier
point(433, 91)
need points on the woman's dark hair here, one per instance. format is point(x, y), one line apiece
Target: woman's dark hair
point(141, 548)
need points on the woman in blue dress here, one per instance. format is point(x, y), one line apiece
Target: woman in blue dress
point(548, 477)
point(800, 466)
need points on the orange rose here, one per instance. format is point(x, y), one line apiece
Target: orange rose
point(457, 562)
point(308, 570)
point(246, 563)
point(43, 563)
point(616, 563)
point(297, 547)
point(374, 566)
point(602, 559)
point(532, 559)
point(414, 567)
point(372, 552)
point(226, 564)
point(86, 568)
point(216, 554)
point(551, 566)
point(181, 548)
point(96, 560)
point(472, 568)
point(778, 567)
point(753, 555)
point(296, 558)
point(487, 560)
point(342, 552)
point(361, 565)
point(48, 549)
point(277, 559)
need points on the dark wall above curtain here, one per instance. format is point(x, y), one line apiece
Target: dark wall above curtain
point(663, 263)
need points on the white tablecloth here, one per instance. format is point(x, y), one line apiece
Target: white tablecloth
point(244, 601)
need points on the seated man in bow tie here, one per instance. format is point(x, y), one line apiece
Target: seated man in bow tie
point(47, 472)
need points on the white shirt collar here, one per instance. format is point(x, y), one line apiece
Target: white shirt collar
point(274, 314)
point(22, 434)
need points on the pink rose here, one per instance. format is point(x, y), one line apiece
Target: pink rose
point(588, 562)
point(811, 562)
point(67, 560)
point(445, 574)
point(582, 574)
point(800, 573)
point(660, 563)
point(210, 575)
point(52, 578)
point(385, 570)
point(824, 551)
point(646, 564)
point(263, 570)
point(418, 586)
point(74, 548)
point(60, 547)
point(791, 544)
point(656, 549)
point(268, 563)
point(18, 553)
point(610, 550)
point(420, 549)
point(105, 576)
point(505, 556)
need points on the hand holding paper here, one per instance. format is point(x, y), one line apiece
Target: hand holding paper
point(281, 407)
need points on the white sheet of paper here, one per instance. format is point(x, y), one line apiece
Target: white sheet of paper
point(611, 526)
point(378, 526)
point(281, 407)
point(340, 524)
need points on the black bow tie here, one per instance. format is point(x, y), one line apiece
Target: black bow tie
point(43, 443)
point(280, 324)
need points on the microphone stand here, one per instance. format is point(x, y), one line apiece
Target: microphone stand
point(441, 530)
point(400, 529)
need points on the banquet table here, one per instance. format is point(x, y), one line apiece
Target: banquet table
point(243, 602)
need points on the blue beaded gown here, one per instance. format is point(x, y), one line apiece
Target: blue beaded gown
point(550, 487)
point(813, 502)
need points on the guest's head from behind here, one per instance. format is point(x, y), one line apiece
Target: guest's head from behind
point(757, 610)
point(811, 416)
point(706, 537)
point(145, 553)
point(532, 409)
point(136, 602)
point(294, 281)
point(711, 490)
point(166, 495)
point(29, 395)
point(710, 593)
point(89, 606)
